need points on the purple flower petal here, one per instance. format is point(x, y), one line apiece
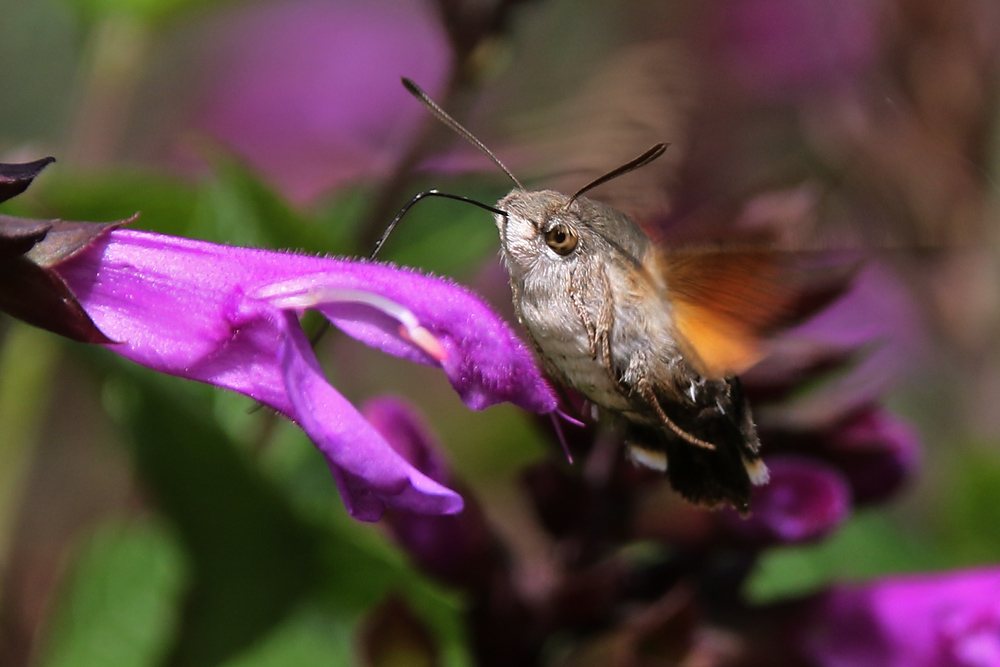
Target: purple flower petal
point(402, 428)
point(804, 501)
point(353, 448)
point(874, 450)
point(486, 361)
point(229, 317)
point(321, 104)
point(944, 620)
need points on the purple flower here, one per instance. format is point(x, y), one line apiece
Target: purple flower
point(876, 451)
point(944, 620)
point(308, 91)
point(230, 317)
point(805, 500)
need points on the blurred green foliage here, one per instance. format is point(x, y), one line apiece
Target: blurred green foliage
point(148, 11)
point(120, 606)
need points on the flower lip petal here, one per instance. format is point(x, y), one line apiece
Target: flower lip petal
point(407, 433)
point(372, 473)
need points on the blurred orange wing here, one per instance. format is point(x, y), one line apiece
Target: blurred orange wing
point(728, 302)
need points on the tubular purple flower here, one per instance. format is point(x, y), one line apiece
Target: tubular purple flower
point(945, 620)
point(229, 317)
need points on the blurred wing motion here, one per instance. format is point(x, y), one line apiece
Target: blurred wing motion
point(728, 302)
point(641, 95)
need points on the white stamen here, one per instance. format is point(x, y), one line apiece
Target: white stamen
point(303, 293)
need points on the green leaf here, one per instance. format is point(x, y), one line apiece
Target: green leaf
point(39, 45)
point(966, 512)
point(166, 204)
point(310, 637)
point(120, 607)
point(252, 559)
point(235, 207)
point(869, 545)
point(29, 360)
point(148, 11)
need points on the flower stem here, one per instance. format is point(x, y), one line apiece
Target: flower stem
point(28, 359)
point(117, 52)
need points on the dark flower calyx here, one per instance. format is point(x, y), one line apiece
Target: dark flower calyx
point(15, 178)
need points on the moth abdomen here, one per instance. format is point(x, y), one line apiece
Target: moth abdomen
point(711, 476)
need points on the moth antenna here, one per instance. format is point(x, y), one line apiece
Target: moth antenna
point(641, 161)
point(443, 116)
point(421, 195)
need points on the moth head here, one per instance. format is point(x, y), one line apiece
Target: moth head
point(540, 230)
point(548, 230)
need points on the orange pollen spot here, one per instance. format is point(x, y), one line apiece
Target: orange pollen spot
point(425, 340)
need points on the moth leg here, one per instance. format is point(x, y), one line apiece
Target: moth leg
point(580, 306)
point(605, 323)
point(599, 333)
point(645, 390)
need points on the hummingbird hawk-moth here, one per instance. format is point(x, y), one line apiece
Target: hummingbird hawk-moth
point(655, 336)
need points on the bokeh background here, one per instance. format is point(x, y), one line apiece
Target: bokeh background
point(147, 520)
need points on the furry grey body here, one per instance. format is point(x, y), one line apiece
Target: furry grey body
point(600, 319)
point(602, 326)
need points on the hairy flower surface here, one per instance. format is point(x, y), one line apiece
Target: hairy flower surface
point(230, 317)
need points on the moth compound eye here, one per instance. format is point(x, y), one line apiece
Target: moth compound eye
point(561, 239)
